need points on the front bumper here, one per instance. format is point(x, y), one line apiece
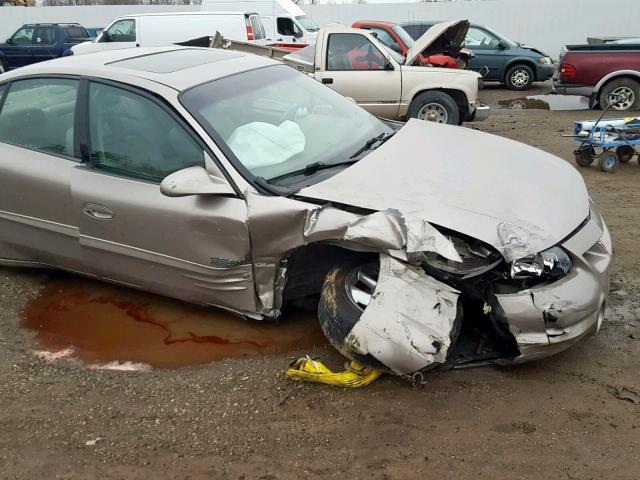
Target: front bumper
point(545, 72)
point(480, 113)
point(548, 319)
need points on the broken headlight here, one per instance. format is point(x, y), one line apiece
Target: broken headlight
point(552, 263)
point(477, 258)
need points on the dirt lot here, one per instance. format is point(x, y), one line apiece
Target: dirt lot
point(241, 419)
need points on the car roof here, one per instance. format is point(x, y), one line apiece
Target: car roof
point(51, 25)
point(176, 67)
point(174, 14)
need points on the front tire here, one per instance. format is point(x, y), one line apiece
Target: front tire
point(608, 161)
point(585, 156)
point(519, 77)
point(622, 94)
point(438, 107)
point(338, 311)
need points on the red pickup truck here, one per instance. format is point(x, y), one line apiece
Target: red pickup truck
point(607, 73)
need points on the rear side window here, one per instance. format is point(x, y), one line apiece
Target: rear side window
point(74, 32)
point(40, 114)
point(133, 136)
point(256, 24)
point(45, 36)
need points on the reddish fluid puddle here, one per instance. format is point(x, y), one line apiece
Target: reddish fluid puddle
point(102, 323)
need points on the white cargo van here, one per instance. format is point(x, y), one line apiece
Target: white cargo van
point(284, 21)
point(158, 29)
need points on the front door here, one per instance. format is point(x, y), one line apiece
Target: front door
point(121, 34)
point(355, 67)
point(18, 52)
point(287, 31)
point(37, 219)
point(195, 248)
point(489, 53)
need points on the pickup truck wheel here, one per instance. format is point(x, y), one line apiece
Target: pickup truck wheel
point(436, 107)
point(621, 94)
point(519, 77)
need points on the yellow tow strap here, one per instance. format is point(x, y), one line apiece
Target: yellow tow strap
point(308, 370)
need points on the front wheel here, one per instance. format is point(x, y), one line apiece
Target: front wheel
point(346, 292)
point(608, 161)
point(584, 156)
point(519, 77)
point(438, 107)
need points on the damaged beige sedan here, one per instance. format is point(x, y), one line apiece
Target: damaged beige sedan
point(227, 179)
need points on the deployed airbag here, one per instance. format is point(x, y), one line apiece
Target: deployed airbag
point(260, 144)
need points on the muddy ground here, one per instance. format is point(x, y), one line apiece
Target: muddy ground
point(241, 419)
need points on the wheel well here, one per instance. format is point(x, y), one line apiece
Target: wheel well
point(617, 77)
point(528, 63)
point(307, 267)
point(458, 96)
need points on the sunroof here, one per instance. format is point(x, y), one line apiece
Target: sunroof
point(174, 60)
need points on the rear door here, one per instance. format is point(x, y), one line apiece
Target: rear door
point(489, 57)
point(196, 247)
point(18, 52)
point(355, 67)
point(45, 46)
point(37, 157)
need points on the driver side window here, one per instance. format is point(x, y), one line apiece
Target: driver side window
point(480, 39)
point(121, 31)
point(351, 51)
point(133, 136)
point(24, 36)
point(287, 27)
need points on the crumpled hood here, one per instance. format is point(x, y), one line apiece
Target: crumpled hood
point(516, 198)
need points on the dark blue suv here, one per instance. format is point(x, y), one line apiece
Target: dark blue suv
point(497, 58)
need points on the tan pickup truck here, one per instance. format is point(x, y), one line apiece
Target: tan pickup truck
point(356, 64)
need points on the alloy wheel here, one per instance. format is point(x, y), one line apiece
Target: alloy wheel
point(520, 78)
point(361, 283)
point(622, 98)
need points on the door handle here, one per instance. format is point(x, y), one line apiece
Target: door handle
point(97, 211)
point(327, 81)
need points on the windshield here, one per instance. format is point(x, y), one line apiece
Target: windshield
point(404, 36)
point(509, 42)
point(276, 120)
point(306, 23)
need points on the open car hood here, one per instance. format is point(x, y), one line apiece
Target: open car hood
point(516, 198)
point(443, 38)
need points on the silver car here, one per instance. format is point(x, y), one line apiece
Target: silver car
point(226, 179)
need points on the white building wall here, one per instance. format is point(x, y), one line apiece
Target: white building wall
point(544, 24)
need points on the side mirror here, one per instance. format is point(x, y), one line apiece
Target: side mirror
point(389, 65)
point(501, 45)
point(195, 181)
point(9, 41)
point(299, 34)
